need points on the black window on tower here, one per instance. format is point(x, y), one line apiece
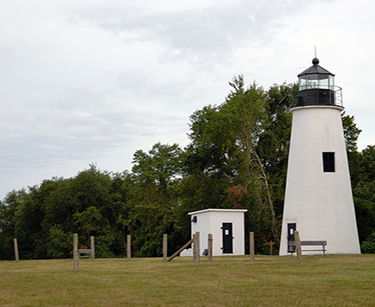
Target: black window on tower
point(329, 162)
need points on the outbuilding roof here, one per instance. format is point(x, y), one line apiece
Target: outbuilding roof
point(217, 210)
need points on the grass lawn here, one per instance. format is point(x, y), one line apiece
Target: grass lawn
point(336, 280)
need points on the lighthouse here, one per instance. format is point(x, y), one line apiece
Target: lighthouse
point(318, 197)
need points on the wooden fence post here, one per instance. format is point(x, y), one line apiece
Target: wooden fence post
point(16, 255)
point(92, 246)
point(194, 249)
point(165, 247)
point(75, 251)
point(210, 246)
point(252, 249)
point(298, 245)
point(197, 248)
point(129, 246)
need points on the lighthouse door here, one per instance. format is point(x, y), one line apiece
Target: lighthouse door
point(227, 238)
point(291, 229)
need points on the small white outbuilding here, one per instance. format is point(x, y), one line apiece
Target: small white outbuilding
point(227, 227)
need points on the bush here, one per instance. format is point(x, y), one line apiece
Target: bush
point(103, 246)
point(368, 246)
point(57, 247)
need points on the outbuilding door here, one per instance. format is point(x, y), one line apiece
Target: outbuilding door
point(227, 238)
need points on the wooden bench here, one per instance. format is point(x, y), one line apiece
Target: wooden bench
point(82, 252)
point(311, 243)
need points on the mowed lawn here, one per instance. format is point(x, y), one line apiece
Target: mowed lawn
point(336, 280)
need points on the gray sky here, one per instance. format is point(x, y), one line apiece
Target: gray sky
point(92, 81)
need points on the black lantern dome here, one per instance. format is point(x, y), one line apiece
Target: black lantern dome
point(316, 86)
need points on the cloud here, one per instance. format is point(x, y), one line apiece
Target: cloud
point(195, 34)
point(93, 81)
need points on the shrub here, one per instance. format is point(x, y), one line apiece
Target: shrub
point(57, 248)
point(368, 246)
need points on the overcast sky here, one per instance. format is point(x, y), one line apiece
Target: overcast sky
point(92, 81)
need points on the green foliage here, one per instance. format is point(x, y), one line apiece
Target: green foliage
point(242, 142)
point(367, 164)
point(7, 225)
point(351, 132)
point(364, 192)
point(155, 198)
point(103, 244)
point(156, 172)
point(368, 246)
point(88, 221)
point(237, 158)
point(59, 245)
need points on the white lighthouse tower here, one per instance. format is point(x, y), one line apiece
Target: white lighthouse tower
point(318, 197)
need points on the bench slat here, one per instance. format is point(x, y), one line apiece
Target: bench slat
point(313, 242)
point(309, 242)
point(84, 251)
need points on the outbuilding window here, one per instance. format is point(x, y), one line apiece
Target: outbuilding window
point(329, 162)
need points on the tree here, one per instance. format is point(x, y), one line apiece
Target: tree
point(224, 147)
point(368, 246)
point(155, 196)
point(156, 171)
point(237, 158)
point(351, 132)
point(88, 221)
point(364, 193)
point(29, 232)
point(43, 218)
point(59, 244)
point(7, 222)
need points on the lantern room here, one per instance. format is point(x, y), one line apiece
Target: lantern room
point(316, 87)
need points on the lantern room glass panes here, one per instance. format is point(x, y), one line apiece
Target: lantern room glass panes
point(316, 81)
point(303, 83)
point(323, 81)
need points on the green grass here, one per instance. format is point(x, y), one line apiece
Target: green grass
point(336, 280)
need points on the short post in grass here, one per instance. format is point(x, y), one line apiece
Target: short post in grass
point(75, 252)
point(298, 245)
point(197, 258)
point(16, 255)
point(128, 247)
point(92, 246)
point(194, 249)
point(210, 246)
point(165, 247)
point(252, 249)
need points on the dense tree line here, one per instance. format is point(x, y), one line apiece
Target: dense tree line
point(237, 158)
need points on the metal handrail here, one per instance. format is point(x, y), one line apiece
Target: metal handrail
point(338, 95)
